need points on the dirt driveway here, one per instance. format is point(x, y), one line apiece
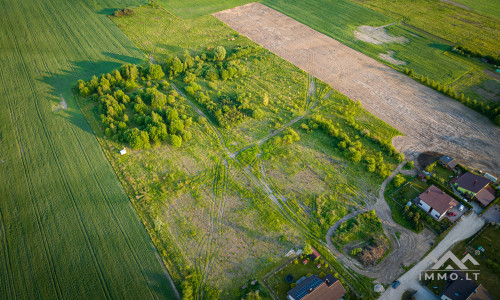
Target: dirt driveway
point(430, 121)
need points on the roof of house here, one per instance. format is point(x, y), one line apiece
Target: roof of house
point(486, 195)
point(446, 159)
point(437, 199)
point(472, 182)
point(304, 288)
point(460, 289)
point(481, 294)
point(314, 255)
point(315, 288)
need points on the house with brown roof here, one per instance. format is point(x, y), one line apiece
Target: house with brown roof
point(435, 202)
point(477, 187)
point(315, 288)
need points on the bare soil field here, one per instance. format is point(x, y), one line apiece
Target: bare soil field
point(429, 120)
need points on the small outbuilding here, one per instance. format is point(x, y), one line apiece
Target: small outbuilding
point(123, 151)
point(448, 162)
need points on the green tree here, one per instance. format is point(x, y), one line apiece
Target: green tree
point(258, 114)
point(220, 53)
point(189, 78)
point(307, 249)
point(398, 180)
point(176, 141)
point(155, 72)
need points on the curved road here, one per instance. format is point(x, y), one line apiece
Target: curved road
point(406, 251)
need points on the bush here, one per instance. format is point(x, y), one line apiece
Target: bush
point(123, 12)
point(398, 180)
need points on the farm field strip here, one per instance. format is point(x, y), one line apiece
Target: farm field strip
point(62, 206)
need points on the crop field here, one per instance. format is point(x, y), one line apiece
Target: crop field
point(419, 52)
point(67, 228)
point(485, 7)
point(467, 28)
point(196, 8)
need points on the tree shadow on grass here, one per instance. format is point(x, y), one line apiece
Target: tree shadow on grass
point(442, 47)
point(62, 84)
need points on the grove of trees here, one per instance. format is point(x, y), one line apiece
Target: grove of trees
point(138, 107)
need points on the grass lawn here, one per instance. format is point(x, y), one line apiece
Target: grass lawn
point(489, 260)
point(443, 174)
point(67, 228)
point(297, 270)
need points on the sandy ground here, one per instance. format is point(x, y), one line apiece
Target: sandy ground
point(388, 57)
point(430, 121)
point(377, 35)
point(465, 228)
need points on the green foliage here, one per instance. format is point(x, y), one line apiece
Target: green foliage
point(220, 53)
point(398, 180)
point(155, 72)
point(176, 141)
point(151, 109)
point(356, 251)
point(258, 114)
point(409, 165)
point(362, 227)
point(307, 249)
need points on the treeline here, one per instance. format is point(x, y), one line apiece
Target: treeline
point(142, 117)
point(353, 149)
point(486, 108)
point(494, 60)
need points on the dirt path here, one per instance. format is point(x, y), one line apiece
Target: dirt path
point(406, 251)
point(456, 4)
point(430, 120)
point(465, 228)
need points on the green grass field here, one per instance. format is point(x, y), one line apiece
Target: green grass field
point(196, 8)
point(67, 228)
point(486, 7)
point(460, 26)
